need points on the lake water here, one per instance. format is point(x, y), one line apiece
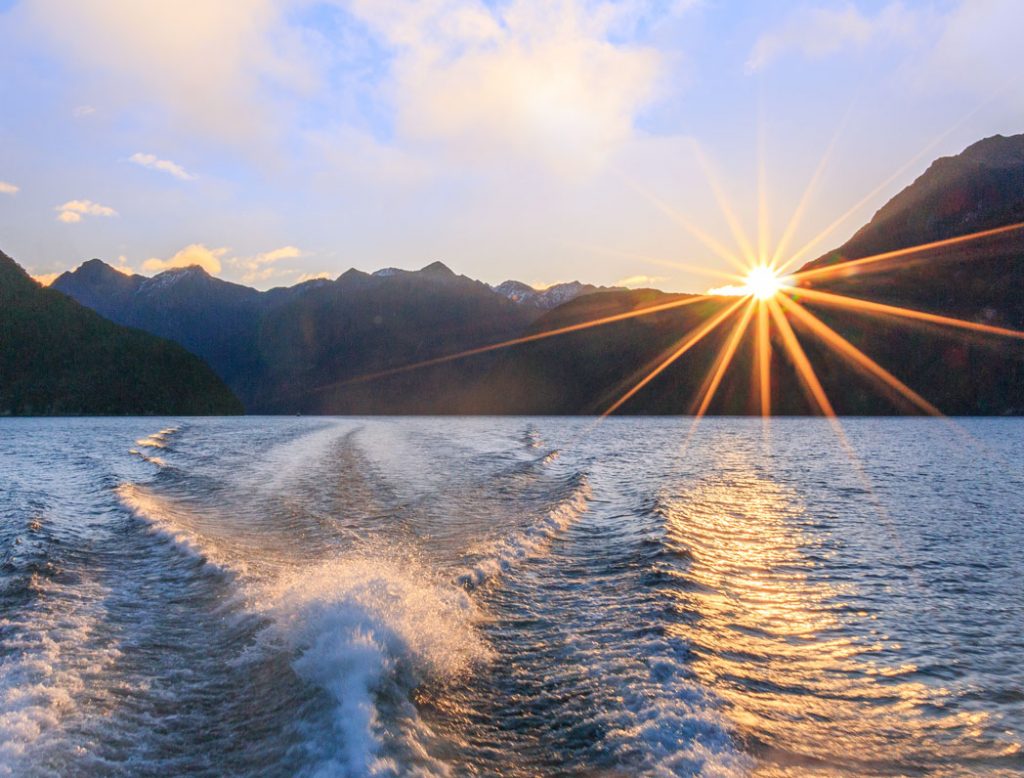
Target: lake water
point(521, 597)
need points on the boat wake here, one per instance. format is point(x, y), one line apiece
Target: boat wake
point(520, 545)
point(368, 631)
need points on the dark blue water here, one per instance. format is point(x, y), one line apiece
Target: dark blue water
point(513, 597)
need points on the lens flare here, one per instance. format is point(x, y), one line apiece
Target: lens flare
point(763, 283)
point(772, 297)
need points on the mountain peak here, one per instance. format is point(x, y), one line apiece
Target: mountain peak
point(94, 268)
point(980, 188)
point(547, 297)
point(437, 268)
point(996, 151)
point(192, 270)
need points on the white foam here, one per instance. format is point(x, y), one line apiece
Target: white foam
point(173, 525)
point(368, 630)
point(523, 544)
point(46, 667)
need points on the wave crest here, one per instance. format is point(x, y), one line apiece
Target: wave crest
point(368, 631)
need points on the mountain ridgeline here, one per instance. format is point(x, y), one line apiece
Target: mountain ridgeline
point(341, 346)
point(57, 357)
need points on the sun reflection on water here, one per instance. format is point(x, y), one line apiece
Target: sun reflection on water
point(809, 678)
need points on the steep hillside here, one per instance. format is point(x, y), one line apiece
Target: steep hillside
point(59, 357)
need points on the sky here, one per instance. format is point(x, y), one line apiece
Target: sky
point(630, 143)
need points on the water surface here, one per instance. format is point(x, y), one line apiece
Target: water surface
point(514, 597)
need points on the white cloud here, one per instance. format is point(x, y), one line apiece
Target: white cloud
point(212, 67)
point(195, 254)
point(122, 265)
point(73, 210)
point(312, 277)
point(261, 267)
point(820, 32)
point(258, 267)
point(164, 165)
point(639, 281)
point(81, 111)
point(729, 290)
point(8, 188)
point(540, 80)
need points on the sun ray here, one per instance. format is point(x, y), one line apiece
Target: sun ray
point(805, 198)
point(669, 263)
point(867, 306)
point(802, 252)
point(856, 264)
point(763, 221)
point(738, 233)
point(809, 379)
point(715, 246)
point(725, 358)
point(764, 359)
point(645, 311)
point(685, 344)
point(854, 355)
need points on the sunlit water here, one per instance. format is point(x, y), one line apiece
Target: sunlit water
point(514, 597)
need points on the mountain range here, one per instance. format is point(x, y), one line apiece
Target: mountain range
point(59, 357)
point(310, 347)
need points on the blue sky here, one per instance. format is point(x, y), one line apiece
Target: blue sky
point(273, 140)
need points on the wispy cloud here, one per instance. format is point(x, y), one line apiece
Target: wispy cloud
point(261, 267)
point(729, 290)
point(214, 67)
point(312, 277)
point(639, 281)
point(209, 259)
point(820, 32)
point(152, 162)
point(73, 210)
point(8, 188)
point(81, 111)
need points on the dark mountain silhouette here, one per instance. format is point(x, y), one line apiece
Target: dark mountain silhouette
point(272, 346)
point(978, 189)
point(59, 357)
point(319, 348)
point(214, 319)
point(980, 280)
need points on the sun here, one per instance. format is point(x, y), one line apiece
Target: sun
point(762, 282)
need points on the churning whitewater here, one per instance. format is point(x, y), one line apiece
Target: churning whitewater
point(517, 597)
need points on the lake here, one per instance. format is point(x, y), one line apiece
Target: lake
point(511, 596)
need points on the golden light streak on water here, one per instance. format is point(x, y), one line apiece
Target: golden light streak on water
point(766, 634)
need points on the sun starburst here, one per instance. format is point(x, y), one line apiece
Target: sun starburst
point(771, 297)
